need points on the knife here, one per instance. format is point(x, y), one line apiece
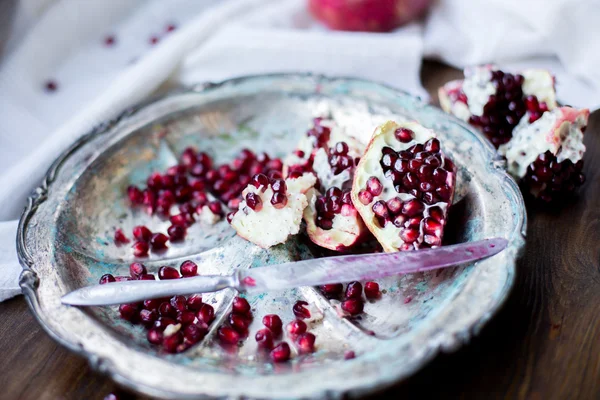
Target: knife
point(313, 272)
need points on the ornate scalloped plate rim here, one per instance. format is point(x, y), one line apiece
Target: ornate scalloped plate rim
point(29, 279)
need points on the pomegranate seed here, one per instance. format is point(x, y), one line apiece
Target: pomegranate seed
point(259, 180)
point(374, 186)
point(153, 40)
point(279, 200)
point(171, 343)
point(159, 241)
point(380, 209)
point(206, 314)
point(155, 336)
point(186, 317)
point(227, 335)
point(254, 202)
point(188, 268)
point(300, 311)
point(135, 195)
point(432, 145)
point(349, 354)
point(240, 306)
point(332, 289)
point(273, 322)
point(239, 322)
point(51, 86)
point(109, 41)
point(167, 310)
point(404, 135)
point(168, 273)
point(142, 233)
point(107, 278)
point(152, 304)
point(162, 322)
point(264, 339)
point(372, 290)
point(194, 302)
point(122, 278)
point(147, 277)
point(147, 317)
point(230, 216)
point(353, 306)
point(215, 207)
point(409, 235)
point(140, 249)
point(128, 311)
point(306, 343)
point(365, 197)
point(296, 327)
point(193, 333)
point(278, 185)
point(137, 269)
point(354, 290)
point(176, 233)
point(281, 353)
point(178, 302)
point(412, 208)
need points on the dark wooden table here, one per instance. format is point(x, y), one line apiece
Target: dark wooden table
point(543, 344)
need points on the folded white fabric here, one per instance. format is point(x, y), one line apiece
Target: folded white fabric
point(63, 41)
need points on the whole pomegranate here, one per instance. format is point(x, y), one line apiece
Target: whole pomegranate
point(367, 15)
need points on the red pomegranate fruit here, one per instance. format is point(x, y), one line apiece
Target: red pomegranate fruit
point(404, 186)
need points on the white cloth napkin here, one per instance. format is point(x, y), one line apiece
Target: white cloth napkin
point(63, 41)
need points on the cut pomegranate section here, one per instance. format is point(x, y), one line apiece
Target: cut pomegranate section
point(403, 189)
point(278, 217)
point(496, 101)
point(547, 155)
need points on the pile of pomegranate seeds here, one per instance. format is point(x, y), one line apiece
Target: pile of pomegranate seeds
point(262, 181)
point(174, 324)
point(236, 327)
point(332, 203)
point(553, 180)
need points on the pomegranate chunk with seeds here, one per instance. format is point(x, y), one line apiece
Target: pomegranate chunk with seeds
point(400, 185)
point(547, 155)
point(497, 101)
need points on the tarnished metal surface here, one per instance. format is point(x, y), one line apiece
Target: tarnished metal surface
point(65, 243)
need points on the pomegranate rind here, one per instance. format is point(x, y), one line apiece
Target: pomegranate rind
point(559, 131)
point(369, 166)
point(347, 231)
point(269, 226)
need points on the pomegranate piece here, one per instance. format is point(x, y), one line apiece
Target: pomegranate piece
point(496, 101)
point(354, 290)
point(188, 268)
point(264, 339)
point(206, 314)
point(281, 353)
point(171, 343)
point(137, 269)
point(296, 327)
point(229, 336)
point(273, 323)
point(306, 343)
point(194, 302)
point(168, 273)
point(176, 233)
point(372, 290)
point(300, 311)
point(332, 290)
point(418, 183)
point(106, 278)
point(128, 311)
point(278, 217)
point(155, 336)
point(240, 305)
point(547, 155)
point(158, 241)
point(239, 322)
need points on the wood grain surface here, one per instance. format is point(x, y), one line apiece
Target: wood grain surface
point(543, 344)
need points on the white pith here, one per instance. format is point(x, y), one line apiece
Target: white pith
point(558, 131)
point(325, 173)
point(478, 88)
point(208, 217)
point(389, 236)
point(270, 225)
point(344, 233)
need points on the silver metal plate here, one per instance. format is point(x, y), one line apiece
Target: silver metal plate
point(64, 243)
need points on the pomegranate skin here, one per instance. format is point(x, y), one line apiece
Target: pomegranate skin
point(367, 15)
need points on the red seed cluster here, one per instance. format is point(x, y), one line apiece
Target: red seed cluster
point(236, 327)
point(262, 182)
point(338, 158)
point(550, 180)
point(330, 204)
point(504, 109)
point(320, 132)
point(157, 314)
point(535, 108)
point(322, 135)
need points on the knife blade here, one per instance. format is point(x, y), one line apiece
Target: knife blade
point(313, 272)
